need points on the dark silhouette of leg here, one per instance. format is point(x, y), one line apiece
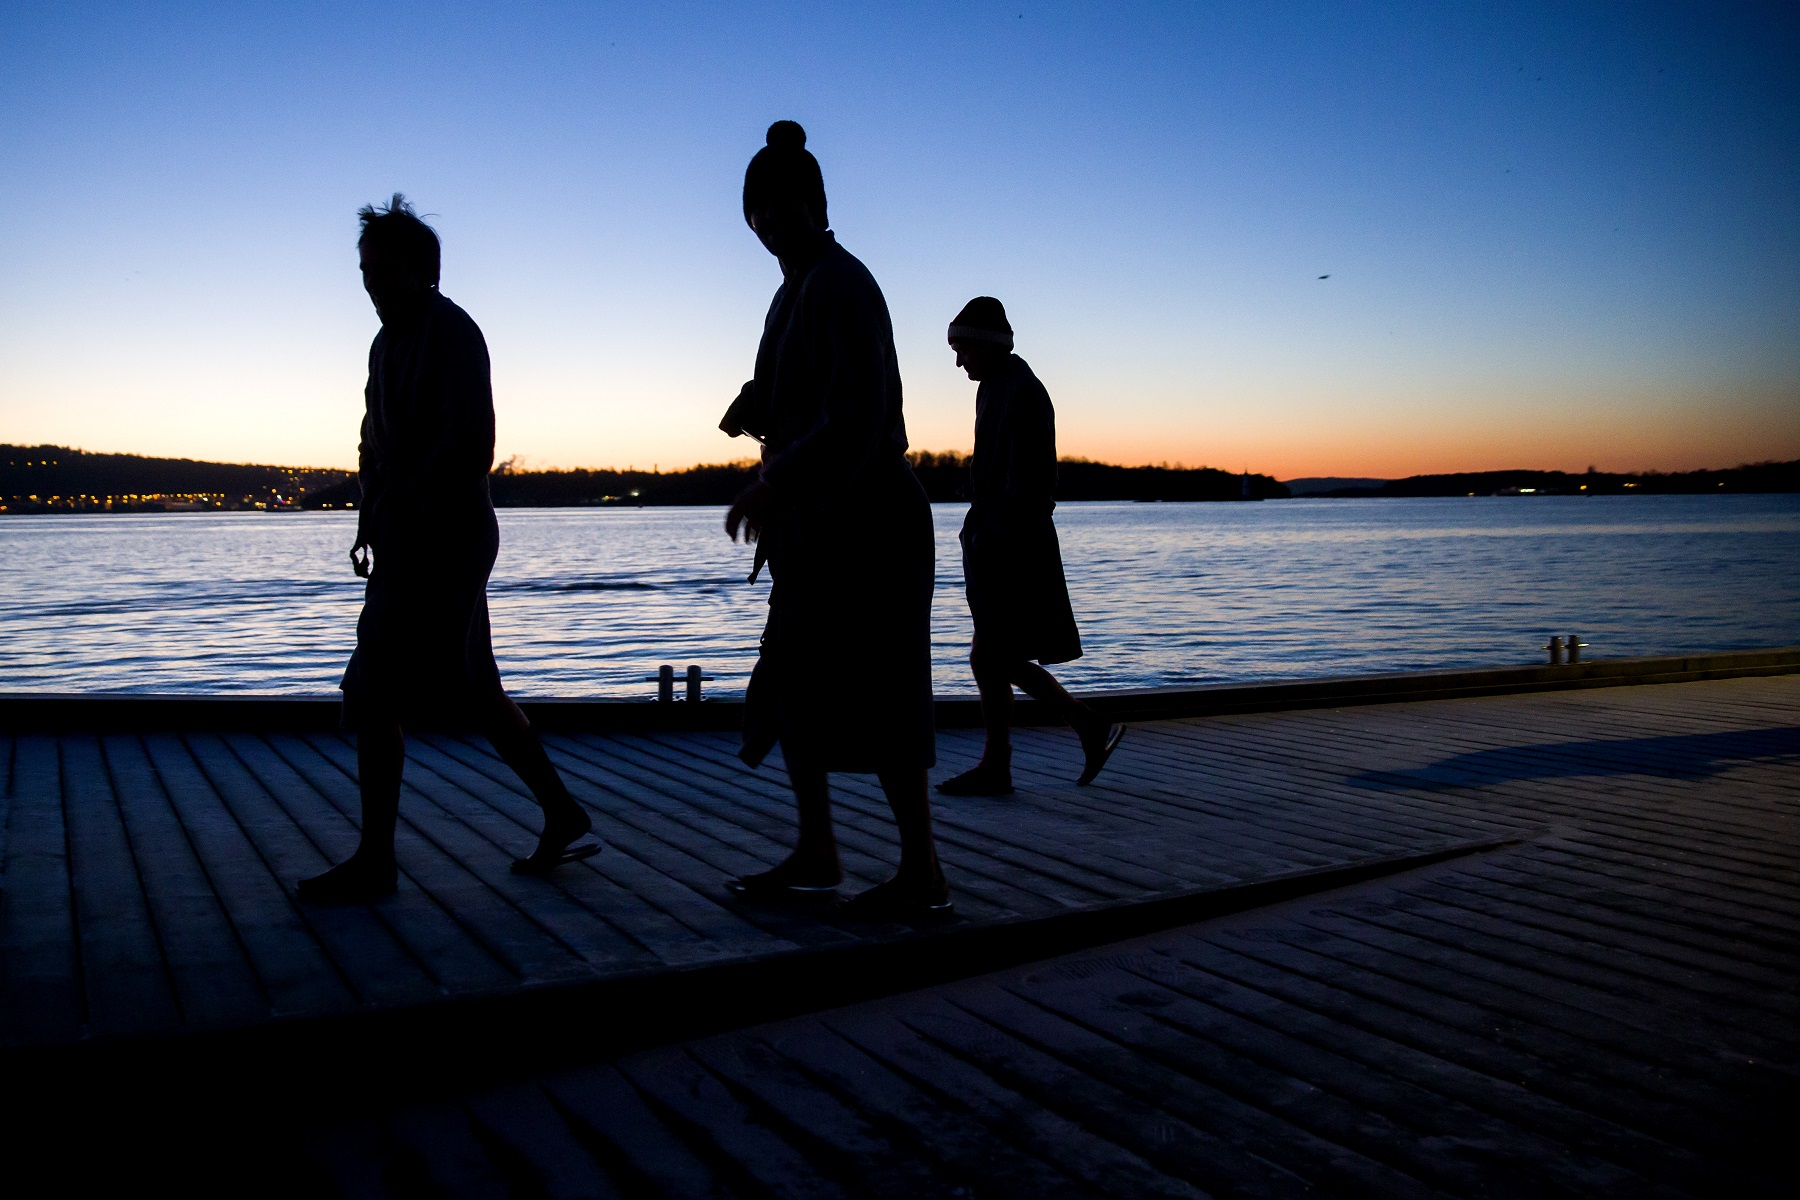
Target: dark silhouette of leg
point(996, 677)
point(1098, 736)
point(917, 891)
point(565, 821)
point(813, 866)
point(370, 872)
point(992, 776)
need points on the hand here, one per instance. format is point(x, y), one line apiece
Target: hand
point(360, 559)
point(749, 511)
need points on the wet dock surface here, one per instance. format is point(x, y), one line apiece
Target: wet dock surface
point(1603, 1005)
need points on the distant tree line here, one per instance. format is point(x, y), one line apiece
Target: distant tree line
point(1751, 477)
point(58, 479)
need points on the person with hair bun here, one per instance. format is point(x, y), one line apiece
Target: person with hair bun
point(843, 681)
point(426, 539)
point(1012, 564)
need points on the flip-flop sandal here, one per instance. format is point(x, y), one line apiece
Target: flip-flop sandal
point(1096, 764)
point(760, 887)
point(543, 866)
point(884, 903)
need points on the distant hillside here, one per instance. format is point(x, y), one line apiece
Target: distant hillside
point(58, 479)
point(1318, 485)
point(1750, 477)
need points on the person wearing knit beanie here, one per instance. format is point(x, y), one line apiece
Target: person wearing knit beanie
point(843, 676)
point(1012, 562)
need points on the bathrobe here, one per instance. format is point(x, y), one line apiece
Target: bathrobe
point(843, 679)
point(1012, 563)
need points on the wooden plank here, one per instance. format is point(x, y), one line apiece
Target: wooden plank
point(44, 998)
point(1638, 809)
point(1246, 1150)
point(1745, 973)
point(696, 1098)
point(515, 918)
point(614, 889)
point(824, 1126)
point(129, 991)
point(1013, 833)
point(1428, 992)
point(1028, 865)
point(1655, 895)
point(1426, 1136)
point(1633, 987)
point(1099, 1163)
point(1516, 1088)
point(435, 933)
point(298, 975)
point(1625, 1026)
point(944, 1129)
point(8, 746)
point(1010, 882)
point(292, 844)
point(522, 1119)
point(613, 1120)
point(1134, 1104)
point(455, 1160)
point(207, 962)
point(1486, 1043)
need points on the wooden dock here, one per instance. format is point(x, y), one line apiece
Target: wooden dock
point(1532, 944)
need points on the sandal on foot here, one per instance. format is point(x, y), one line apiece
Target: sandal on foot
point(891, 901)
point(1096, 760)
point(977, 782)
point(543, 864)
point(771, 885)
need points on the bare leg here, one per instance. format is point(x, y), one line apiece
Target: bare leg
point(920, 874)
point(370, 872)
point(1098, 735)
point(565, 821)
point(992, 776)
point(814, 862)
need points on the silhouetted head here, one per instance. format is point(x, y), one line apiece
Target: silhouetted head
point(981, 337)
point(400, 258)
point(784, 194)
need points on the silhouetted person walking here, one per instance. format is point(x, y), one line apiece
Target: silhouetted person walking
point(423, 654)
point(844, 677)
point(1012, 564)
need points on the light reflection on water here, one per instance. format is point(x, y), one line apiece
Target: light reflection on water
point(587, 602)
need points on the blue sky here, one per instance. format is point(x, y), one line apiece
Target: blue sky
point(1556, 234)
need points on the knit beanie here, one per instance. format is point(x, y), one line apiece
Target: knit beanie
point(784, 172)
point(982, 319)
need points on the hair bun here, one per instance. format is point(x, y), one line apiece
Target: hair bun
point(787, 135)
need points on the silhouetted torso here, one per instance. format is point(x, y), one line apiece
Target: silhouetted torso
point(1012, 562)
point(423, 646)
point(845, 678)
point(428, 435)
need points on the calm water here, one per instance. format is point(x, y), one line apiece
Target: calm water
point(587, 602)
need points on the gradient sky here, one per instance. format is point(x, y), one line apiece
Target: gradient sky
point(1557, 234)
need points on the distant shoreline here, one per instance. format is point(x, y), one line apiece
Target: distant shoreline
point(56, 479)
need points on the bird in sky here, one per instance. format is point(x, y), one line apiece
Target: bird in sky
point(1324, 277)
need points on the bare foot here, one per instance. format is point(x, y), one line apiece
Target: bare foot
point(357, 880)
point(556, 845)
point(981, 780)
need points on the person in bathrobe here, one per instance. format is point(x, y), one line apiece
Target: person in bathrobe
point(843, 680)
